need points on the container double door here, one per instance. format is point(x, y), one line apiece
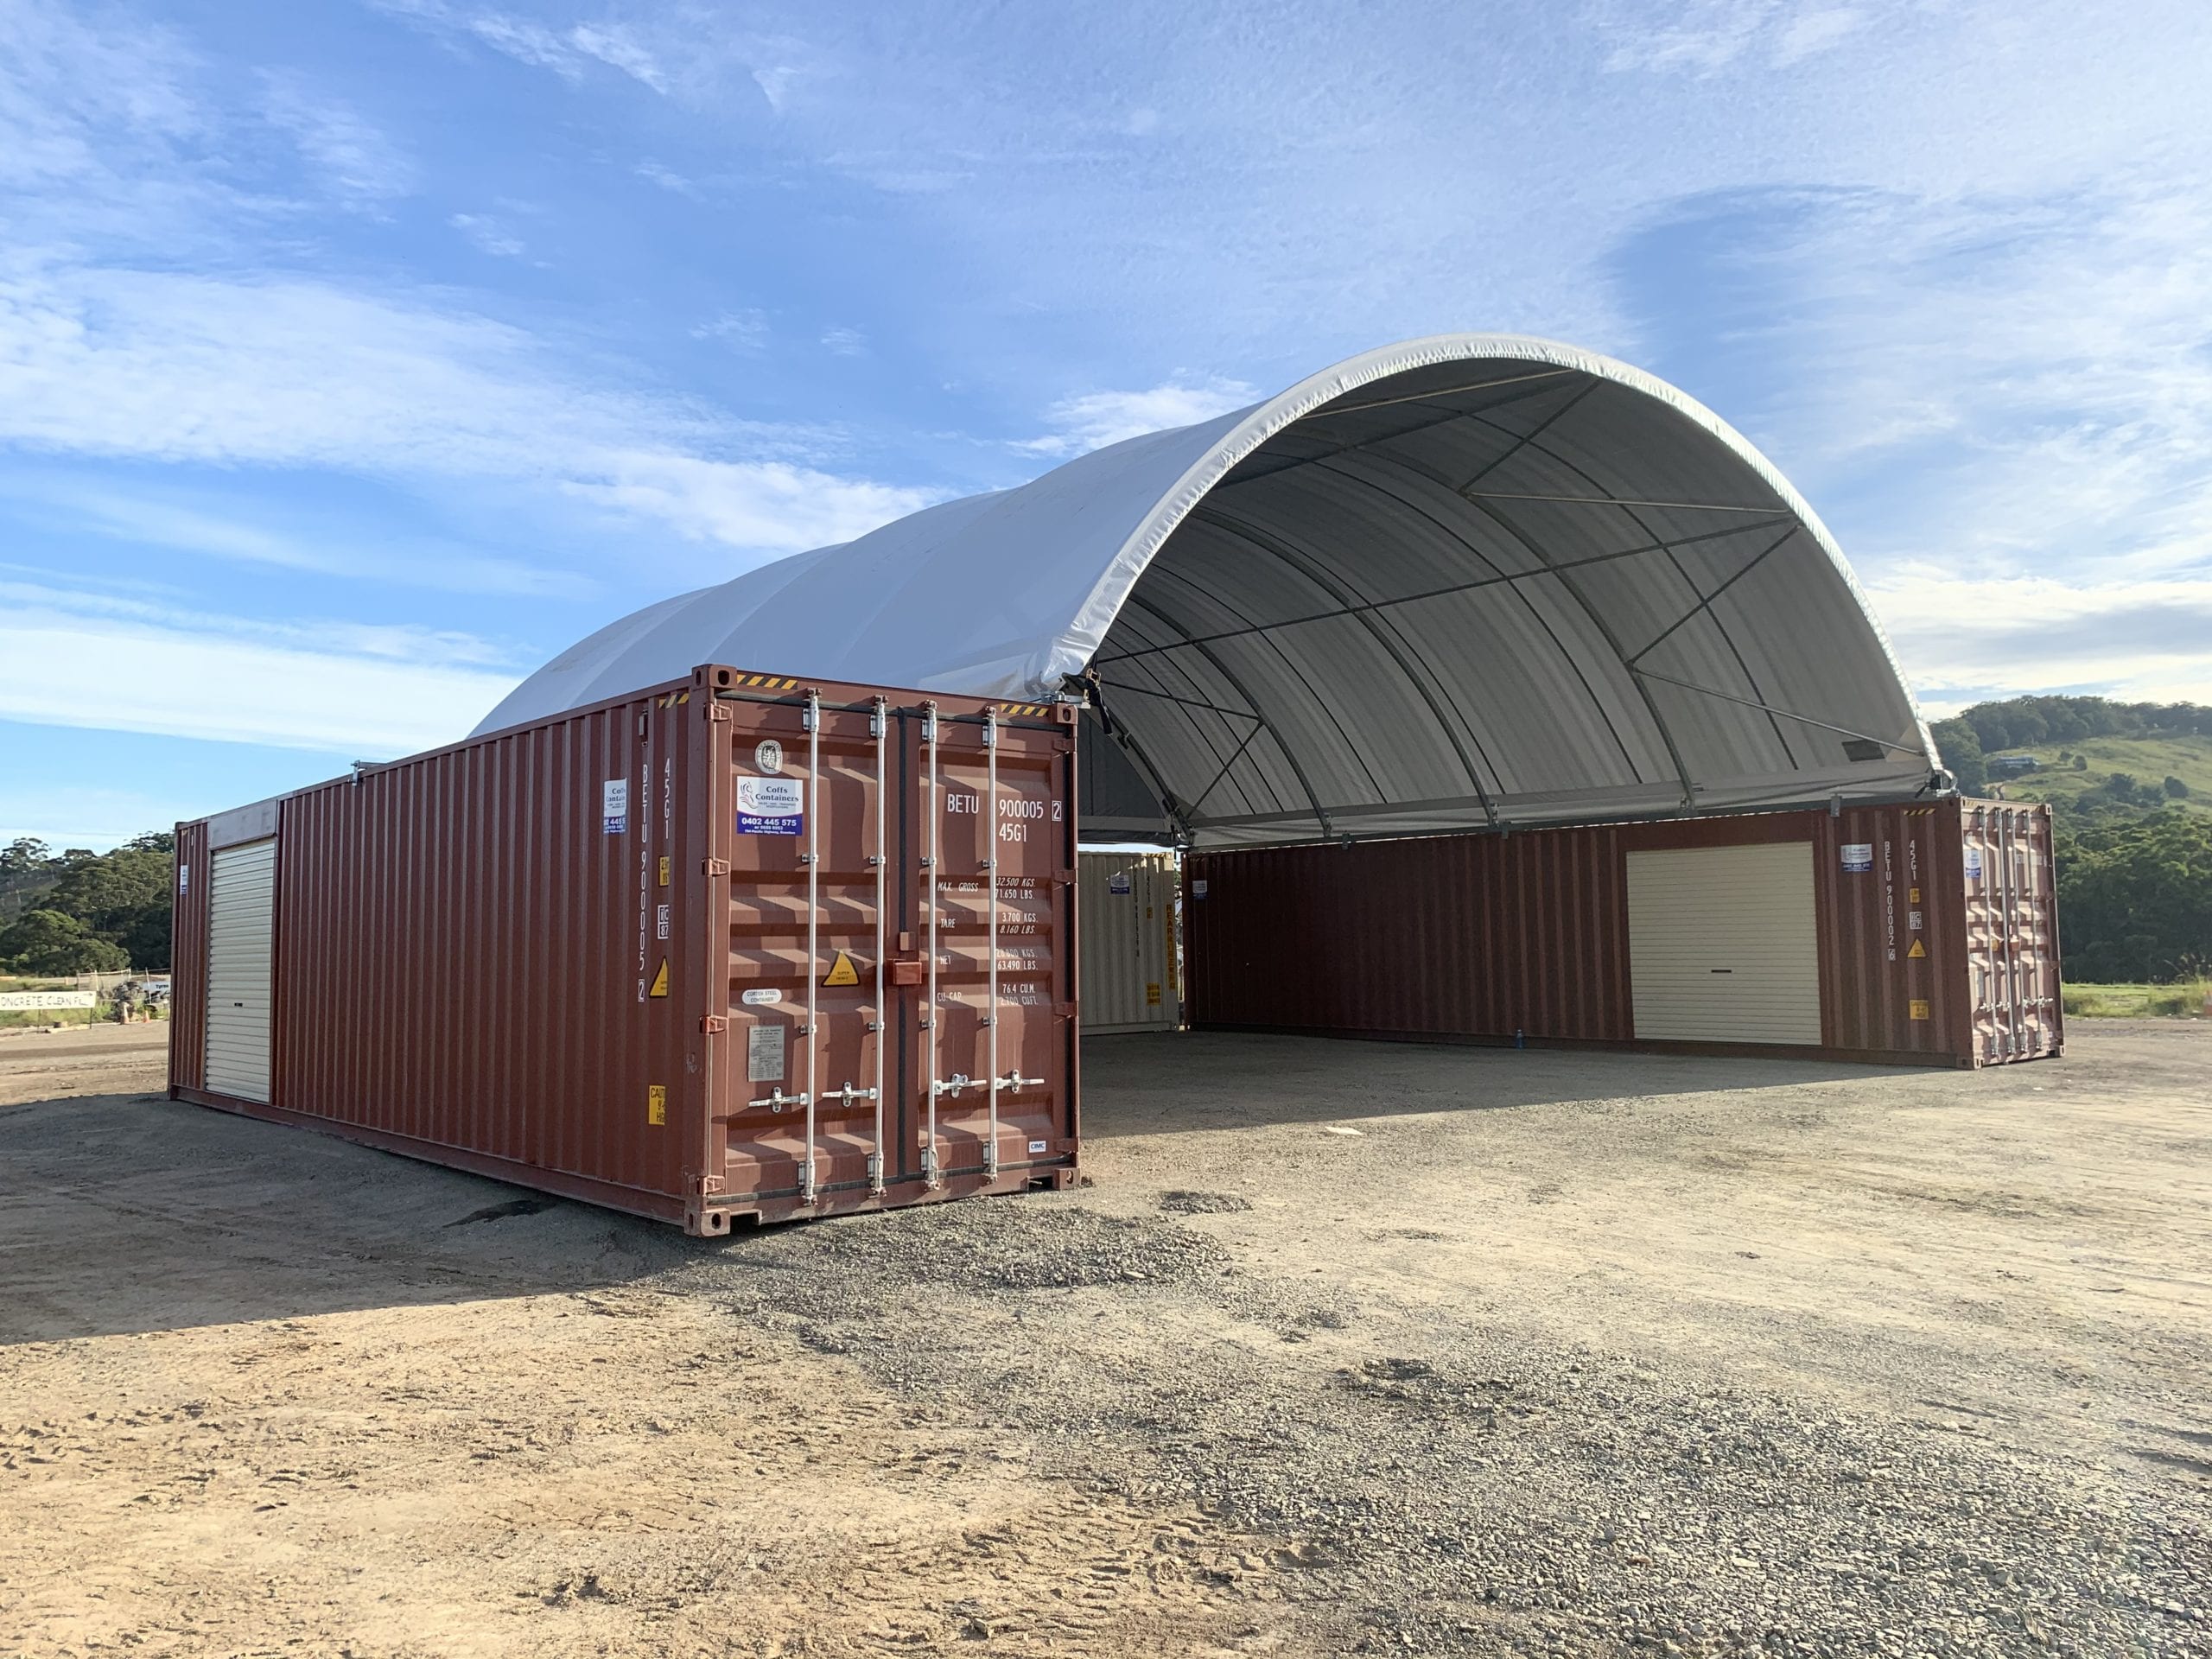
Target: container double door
point(2011, 933)
point(877, 1045)
point(1130, 951)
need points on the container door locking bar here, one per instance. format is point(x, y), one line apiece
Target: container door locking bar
point(879, 725)
point(932, 1173)
point(813, 797)
point(991, 875)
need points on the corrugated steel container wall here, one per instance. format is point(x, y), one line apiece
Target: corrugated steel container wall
point(542, 955)
point(189, 958)
point(1476, 937)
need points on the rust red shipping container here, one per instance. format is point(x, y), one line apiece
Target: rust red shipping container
point(1937, 925)
point(736, 945)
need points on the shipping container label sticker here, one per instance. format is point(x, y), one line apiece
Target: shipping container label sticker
point(1036, 1146)
point(184, 878)
point(1118, 883)
point(1919, 950)
point(1912, 917)
point(1919, 1009)
point(614, 807)
point(660, 981)
point(764, 1054)
point(759, 995)
point(1859, 855)
point(771, 806)
point(656, 1103)
point(842, 971)
point(660, 921)
point(1197, 889)
point(1974, 863)
point(768, 756)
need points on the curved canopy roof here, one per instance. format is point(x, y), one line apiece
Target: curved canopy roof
point(1473, 581)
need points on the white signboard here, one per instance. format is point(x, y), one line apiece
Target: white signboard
point(614, 807)
point(1859, 855)
point(771, 806)
point(1974, 863)
point(10, 1001)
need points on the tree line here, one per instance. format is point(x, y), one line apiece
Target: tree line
point(2134, 870)
point(79, 912)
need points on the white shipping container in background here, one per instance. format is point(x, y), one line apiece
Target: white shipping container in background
point(1126, 924)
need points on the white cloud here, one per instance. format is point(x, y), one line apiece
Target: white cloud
point(767, 504)
point(618, 47)
point(489, 235)
point(359, 164)
point(775, 85)
point(92, 814)
point(341, 689)
point(160, 366)
point(742, 330)
point(149, 515)
point(667, 177)
point(1705, 36)
point(569, 52)
point(845, 342)
point(1098, 418)
point(1964, 639)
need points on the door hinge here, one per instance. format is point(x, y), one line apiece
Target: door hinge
point(714, 866)
point(714, 1025)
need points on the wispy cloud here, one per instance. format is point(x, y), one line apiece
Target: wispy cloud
point(1098, 418)
point(667, 177)
point(845, 342)
point(568, 52)
point(149, 515)
point(360, 165)
point(1967, 638)
point(742, 330)
point(1705, 36)
point(340, 689)
point(767, 504)
point(161, 367)
point(488, 235)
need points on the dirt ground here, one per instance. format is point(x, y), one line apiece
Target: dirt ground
point(1350, 1348)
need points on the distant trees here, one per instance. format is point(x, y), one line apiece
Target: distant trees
point(1960, 747)
point(80, 912)
point(2033, 722)
point(2135, 897)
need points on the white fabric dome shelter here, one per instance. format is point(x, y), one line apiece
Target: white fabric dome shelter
point(1470, 582)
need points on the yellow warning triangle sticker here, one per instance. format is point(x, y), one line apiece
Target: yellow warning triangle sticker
point(1919, 950)
point(660, 980)
point(841, 972)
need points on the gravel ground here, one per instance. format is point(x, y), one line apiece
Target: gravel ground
point(1465, 1490)
point(1349, 1348)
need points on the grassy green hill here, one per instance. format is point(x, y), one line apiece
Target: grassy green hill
point(2146, 760)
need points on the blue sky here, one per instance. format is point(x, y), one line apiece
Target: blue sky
point(354, 358)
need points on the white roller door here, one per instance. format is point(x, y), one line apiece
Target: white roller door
point(241, 922)
point(1723, 945)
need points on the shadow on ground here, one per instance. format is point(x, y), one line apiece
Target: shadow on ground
point(1165, 1082)
point(122, 1213)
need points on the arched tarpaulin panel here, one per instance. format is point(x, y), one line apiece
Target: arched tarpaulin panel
point(1473, 581)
